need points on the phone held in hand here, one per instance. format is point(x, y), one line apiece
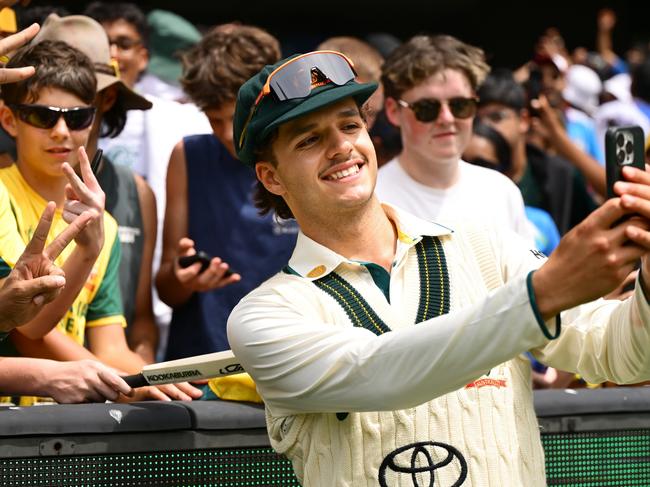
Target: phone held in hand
point(204, 258)
point(624, 146)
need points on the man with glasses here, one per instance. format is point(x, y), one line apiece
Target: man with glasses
point(430, 86)
point(384, 350)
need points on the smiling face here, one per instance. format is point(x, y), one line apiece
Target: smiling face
point(443, 140)
point(325, 163)
point(127, 48)
point(41, 152)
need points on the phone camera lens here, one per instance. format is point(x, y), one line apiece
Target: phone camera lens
point(620, 156)
point(620, 140)
point(629, 147)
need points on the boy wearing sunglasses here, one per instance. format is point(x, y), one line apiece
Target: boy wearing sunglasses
point(430, 86)
point(51, 115)
point(387, 351)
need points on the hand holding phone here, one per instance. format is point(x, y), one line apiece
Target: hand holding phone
point(624, 146)
point(204, 258)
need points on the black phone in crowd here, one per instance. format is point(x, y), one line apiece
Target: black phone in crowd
point(204, 258)
point(624, 146)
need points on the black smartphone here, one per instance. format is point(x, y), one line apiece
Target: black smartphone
point(94, 164)
point(624, 146)
point(202, 257)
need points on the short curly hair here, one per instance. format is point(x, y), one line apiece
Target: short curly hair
point(423, 56)
point(226, 57)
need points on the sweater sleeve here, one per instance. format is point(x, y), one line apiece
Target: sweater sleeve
point(604, 341)
point(302, 364)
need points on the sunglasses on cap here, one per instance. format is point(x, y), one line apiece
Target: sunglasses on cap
point(298, 76)
point(428, 110)
point(45, 117)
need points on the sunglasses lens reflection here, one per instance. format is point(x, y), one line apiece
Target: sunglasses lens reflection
point(45, 117)
point(429, 110)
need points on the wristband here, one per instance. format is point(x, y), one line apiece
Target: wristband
point(538, 316)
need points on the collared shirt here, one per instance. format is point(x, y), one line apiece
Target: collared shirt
point(450, 379)
point(312, 260)
point(291, 310)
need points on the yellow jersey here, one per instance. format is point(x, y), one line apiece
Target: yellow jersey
point(99, 302)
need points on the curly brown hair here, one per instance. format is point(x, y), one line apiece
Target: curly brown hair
point(423, 56)
point(226, 57)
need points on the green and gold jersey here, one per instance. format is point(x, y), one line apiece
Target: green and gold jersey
point(99, 302)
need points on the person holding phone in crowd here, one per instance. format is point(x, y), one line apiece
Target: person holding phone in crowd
point(210, 214)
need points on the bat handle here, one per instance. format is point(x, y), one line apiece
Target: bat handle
point(135, 380)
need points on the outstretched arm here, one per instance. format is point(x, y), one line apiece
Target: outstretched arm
point(65, 382)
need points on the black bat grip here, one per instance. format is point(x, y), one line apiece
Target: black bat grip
point(135, 380)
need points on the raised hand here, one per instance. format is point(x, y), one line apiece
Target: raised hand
point(35, 280)
point(214, 277)
point(10, 44)
point(85, 195)
point(593, 258)
point(635, 198)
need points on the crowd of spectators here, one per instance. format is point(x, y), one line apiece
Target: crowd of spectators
point(157, 96)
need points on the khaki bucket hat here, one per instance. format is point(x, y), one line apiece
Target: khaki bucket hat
point(89, 37)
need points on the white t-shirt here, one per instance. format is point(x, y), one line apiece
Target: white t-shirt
point(481, 195)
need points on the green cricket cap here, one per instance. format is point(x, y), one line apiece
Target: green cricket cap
point(271, 113)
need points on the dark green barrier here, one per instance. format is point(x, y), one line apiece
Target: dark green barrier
point(591, 438)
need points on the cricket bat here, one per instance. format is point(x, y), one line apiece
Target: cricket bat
point(206, 366)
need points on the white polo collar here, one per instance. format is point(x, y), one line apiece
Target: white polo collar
point(312, 260)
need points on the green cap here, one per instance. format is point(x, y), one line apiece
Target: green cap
point(169, 34)
point(271, 113)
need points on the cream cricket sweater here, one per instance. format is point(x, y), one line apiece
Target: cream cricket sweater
point(447, 391)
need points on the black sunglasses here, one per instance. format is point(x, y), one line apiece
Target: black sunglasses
point(428, 110)
point(44, 117)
